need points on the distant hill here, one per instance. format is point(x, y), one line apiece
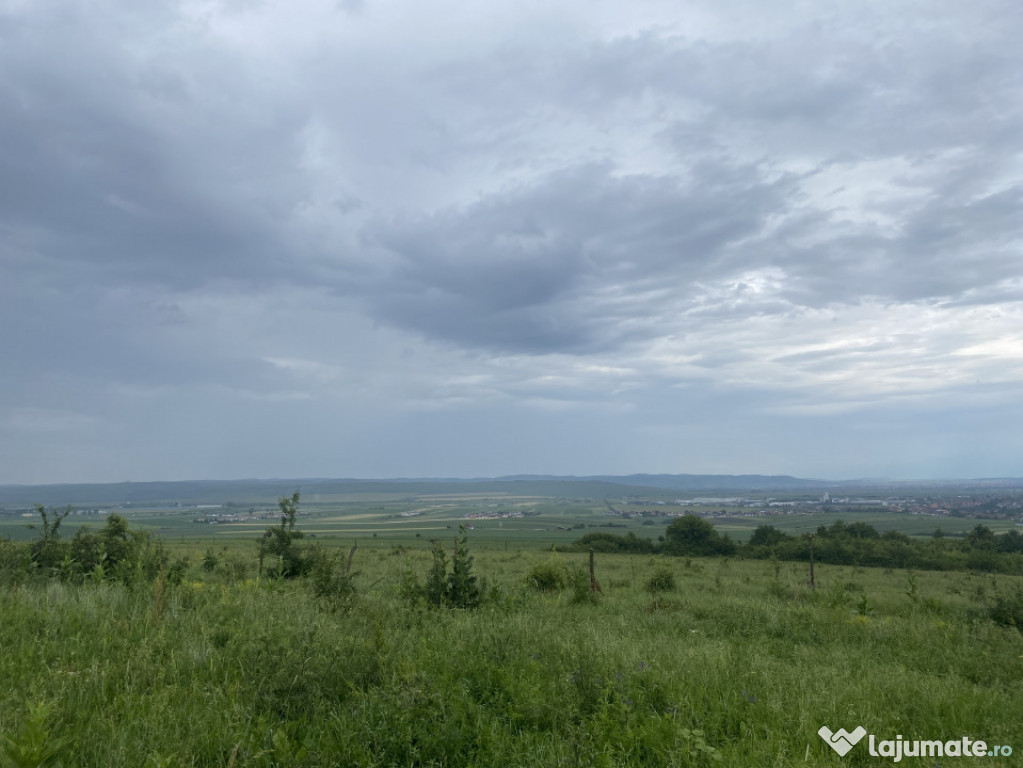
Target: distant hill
point(720, 482)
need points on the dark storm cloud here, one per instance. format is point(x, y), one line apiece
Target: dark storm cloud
point(545, 266)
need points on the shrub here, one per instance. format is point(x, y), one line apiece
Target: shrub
point(582, 589)
point(1007, 610)
point(548, 576)
point(331, 580)
point(609, 543)
point(410, 590)
point(15, 563)
point(661, 580)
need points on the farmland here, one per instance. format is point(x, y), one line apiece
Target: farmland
point(503, 515)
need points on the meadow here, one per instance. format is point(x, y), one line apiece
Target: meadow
point(675, 662)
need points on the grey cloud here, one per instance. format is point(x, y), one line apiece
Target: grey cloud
point(533, 268)
point(225, 213)
point(945, 250)
point(139, 191)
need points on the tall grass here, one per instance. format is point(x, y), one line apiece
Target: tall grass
point(738, 665)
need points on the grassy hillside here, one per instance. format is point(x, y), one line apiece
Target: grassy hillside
point(738, 665)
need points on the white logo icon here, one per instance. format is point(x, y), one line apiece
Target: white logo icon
point(841, 740)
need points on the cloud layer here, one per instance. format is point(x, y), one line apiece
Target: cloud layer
point(378, 239)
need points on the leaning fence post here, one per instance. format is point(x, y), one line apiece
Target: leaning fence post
point(594, 586)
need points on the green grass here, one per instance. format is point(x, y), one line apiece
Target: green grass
point(739, 666)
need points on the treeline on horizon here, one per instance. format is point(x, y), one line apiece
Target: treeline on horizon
point(838, 544)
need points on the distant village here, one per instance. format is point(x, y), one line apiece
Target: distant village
point(988, 507)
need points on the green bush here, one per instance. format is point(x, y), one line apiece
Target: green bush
point(548, 576)
point(331, 581)
point(661, 580)
point(15, 562)
point(582, 590)
point(1007, 610)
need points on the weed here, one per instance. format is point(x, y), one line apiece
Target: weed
point(699, 749)
point(775, 589)
point(837, 595)
point(210, 561)
point(863, 606)
point(35, 746)
point(911, 588)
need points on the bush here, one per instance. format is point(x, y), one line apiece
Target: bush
point(331, 581)
point(608, 543)
point(582, 590)
point(15, 562)
point(410, 590)
point(1007, 610)
point(661, 580)
point(548, 576)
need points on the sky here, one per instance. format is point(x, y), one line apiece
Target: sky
point(384, 238)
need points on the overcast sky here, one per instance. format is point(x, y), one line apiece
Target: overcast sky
point(373, 238)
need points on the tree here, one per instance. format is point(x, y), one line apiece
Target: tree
point(436, 581)
point(766, 536)
point(692, 535)
point(48, 551)
point(279, 541)
point(463, 591)
point(981, 537)
point(457, 588)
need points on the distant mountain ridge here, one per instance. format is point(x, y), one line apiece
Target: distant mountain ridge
point(268, 490)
